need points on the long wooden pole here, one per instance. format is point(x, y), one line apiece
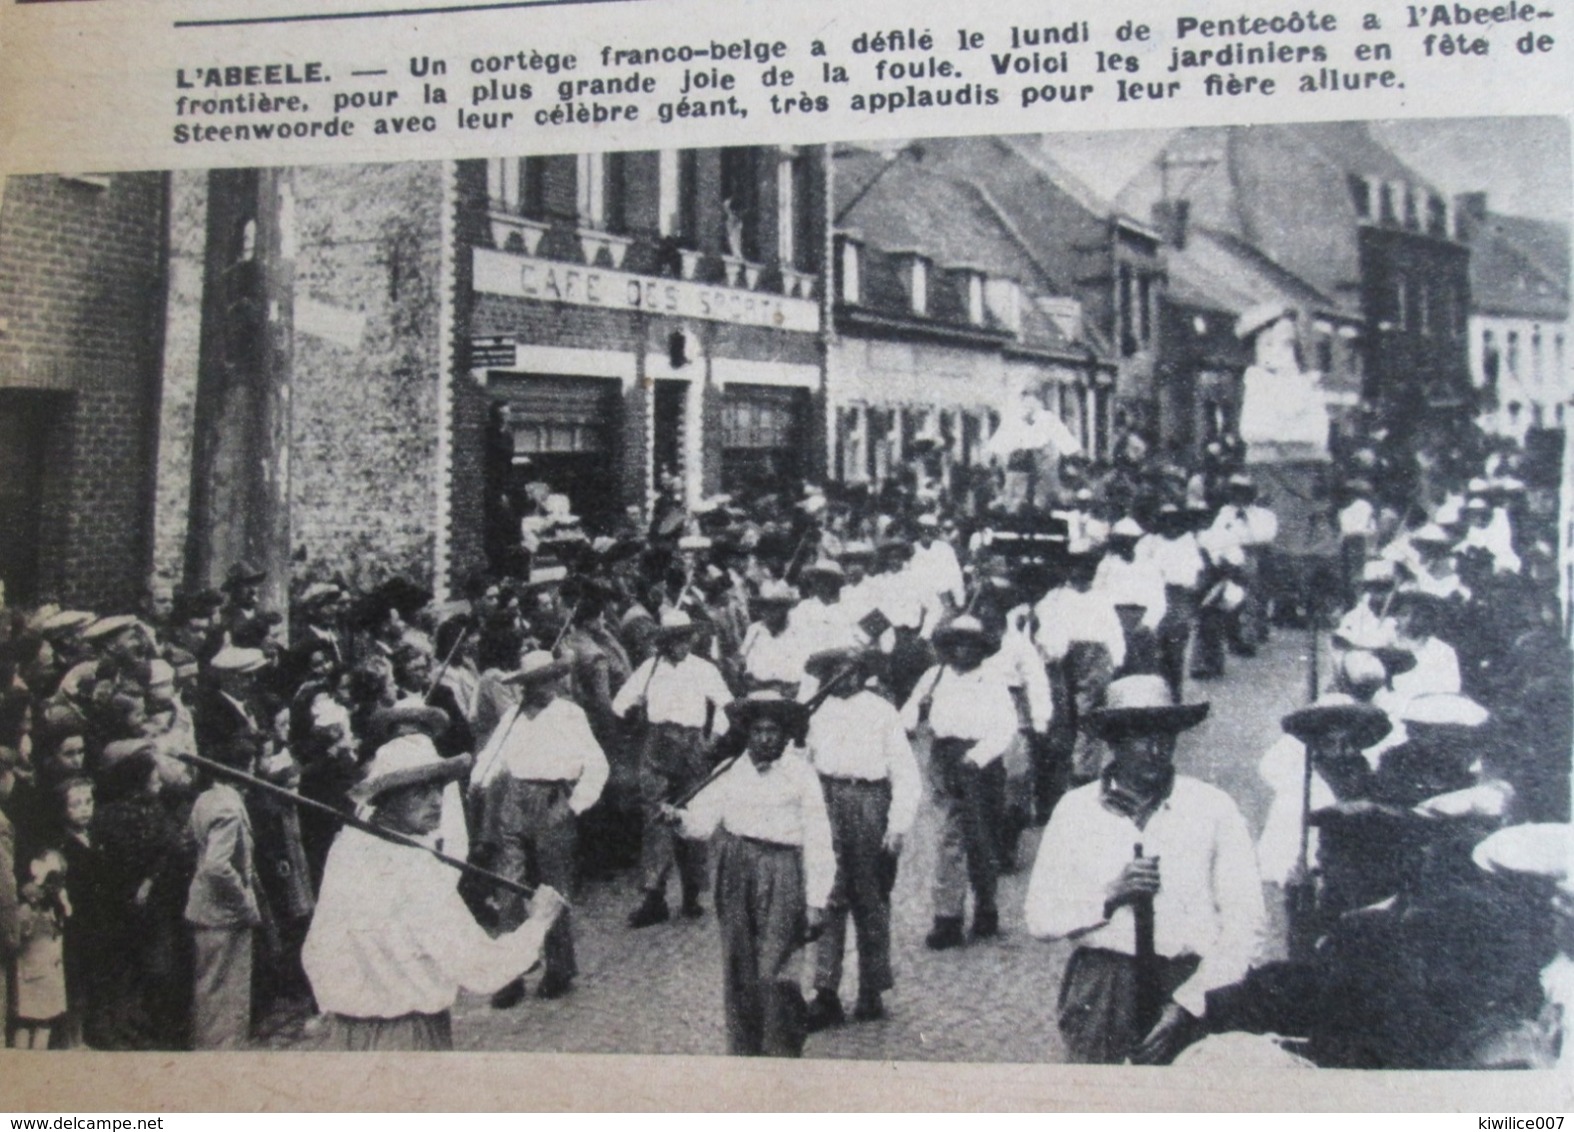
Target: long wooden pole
point(311, 805)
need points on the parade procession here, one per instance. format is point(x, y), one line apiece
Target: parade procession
point(941, 664)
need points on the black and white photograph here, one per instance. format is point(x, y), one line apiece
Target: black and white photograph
point(1094, 598)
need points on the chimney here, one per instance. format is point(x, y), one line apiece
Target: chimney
point(1170, 217)
point(1470, 212)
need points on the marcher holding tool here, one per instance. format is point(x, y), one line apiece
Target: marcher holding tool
point(774, 871)
point(392, 941)
point(1193, 863)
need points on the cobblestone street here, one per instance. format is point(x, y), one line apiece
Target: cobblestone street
point(659, 990)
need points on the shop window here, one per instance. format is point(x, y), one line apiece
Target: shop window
point(752, 424)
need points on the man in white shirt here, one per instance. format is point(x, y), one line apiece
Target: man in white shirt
point(682, 698)
point(968, 707)
point(1083, 644)
point(1154, 875)
point(1173, 549)
point(1128, 581)
point(1436, 670)
point(539, 771)
point(392, 940)
point(872, 785)
point(1370, 619)
point(770, 656)
point(935, 573)
point(775, 868)
point(820, 621)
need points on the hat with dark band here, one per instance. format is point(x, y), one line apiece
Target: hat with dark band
point(536, 666)
point(675, 623)
point(1141, 704)
point(431, 720)
point(767, 704)
point(962, 630)
point(1365, 724)
point(410, 760)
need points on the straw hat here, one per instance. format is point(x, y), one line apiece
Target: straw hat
point(1142, 704)
point(1336, 711)
point(432, 720)
point(410, 760)
point(536, 666)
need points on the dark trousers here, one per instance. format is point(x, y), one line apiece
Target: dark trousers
point(971, 801)
point(760, 906)
point(1098, 1003)
point(1174, 634)
point(1052, 752)
point(407, 1033)
point(537, 843)
point(858, 812)
point(1213, 627)
point(674, 759)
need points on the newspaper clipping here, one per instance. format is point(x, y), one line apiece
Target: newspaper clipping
point(1015, 553)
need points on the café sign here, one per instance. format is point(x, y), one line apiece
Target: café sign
point(525, 277)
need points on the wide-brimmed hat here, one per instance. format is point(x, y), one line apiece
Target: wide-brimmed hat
point(1336, 711)
point(1443, 709)
point(1142, 704)
point(828, 662)
point(1377, 572)
point(106, 627)
point(320, 593)
point(1431, 535)
point(773, 592)
point(231, 658)
point(1262, 315)
point(1127, 528)
point(243, 573)
point(695, 542)
point(858, 550)
point(962, 630)
point(1540, 849)
point(894, 548)
point(409, 760)
point(432, 720)
point(64, 622)
point(767, 703)
point(674, 623)
point(825, 568)
point(536, 666)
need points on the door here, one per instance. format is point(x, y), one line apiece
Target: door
point(24, 425)
point(565, 432)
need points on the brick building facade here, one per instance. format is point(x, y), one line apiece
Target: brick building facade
point(422, 341)
point(81, 307)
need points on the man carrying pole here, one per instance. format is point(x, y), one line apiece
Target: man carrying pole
point(541, 769)
point(774, 871)
point(393, 941)
point(1193, 861)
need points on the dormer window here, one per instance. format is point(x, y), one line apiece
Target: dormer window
point(1005, 303)
point(850, 264)
point(973, 292)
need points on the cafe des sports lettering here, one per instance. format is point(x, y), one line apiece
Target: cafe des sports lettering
point(502, 273)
